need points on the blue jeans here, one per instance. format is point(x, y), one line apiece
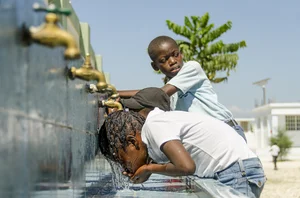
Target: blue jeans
point(246, 176)
point(240, 131)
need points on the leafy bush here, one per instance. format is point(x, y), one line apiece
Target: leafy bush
point(283, 141)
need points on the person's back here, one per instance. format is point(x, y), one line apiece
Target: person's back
point(195, 93)
point(212, 144)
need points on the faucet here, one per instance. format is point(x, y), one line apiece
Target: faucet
point(110, 103)
point(87, 72)
point(50, 34)
point(113, 91)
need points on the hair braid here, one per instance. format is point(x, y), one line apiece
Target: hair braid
point(112, 135)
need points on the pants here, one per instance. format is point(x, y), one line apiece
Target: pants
point(246, 176)
point(275, 162)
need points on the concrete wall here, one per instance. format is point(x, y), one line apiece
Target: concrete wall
point(294, 135)
point(48, 123)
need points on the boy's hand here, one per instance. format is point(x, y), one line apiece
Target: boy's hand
point(141, 175)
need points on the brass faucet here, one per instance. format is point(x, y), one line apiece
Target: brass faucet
point(110, 103)
point(50, 34)
point(113, 90)
point(87, 72)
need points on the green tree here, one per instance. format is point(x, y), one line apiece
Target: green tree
point(200, 45)
point(283, 141)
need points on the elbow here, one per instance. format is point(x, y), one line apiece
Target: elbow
point(189, 169)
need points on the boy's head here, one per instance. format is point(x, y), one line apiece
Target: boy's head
point(165, 55)
point(120, 140)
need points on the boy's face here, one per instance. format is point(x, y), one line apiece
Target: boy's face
point(135, 154)
point(168, 59)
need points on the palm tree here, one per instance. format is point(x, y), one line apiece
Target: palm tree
point(200, 46)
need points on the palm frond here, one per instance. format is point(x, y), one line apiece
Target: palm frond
point(226, 58)
point(182, 42)
point(223, 62)
point(233, 47)
point(177, 29)
point(188, 23)
point(211, 36)
point(213, 48)
point(203, 21)
point(218, 80)
point(206, 29)
point(195, 20)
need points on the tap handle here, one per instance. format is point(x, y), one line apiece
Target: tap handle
point(52, 8)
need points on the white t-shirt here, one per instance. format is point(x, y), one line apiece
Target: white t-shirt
point(196, 93)
point(275, 150)
point(212, 144)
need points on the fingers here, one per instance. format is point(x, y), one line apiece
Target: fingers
point(127, 174)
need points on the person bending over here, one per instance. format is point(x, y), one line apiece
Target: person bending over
point(179, 143)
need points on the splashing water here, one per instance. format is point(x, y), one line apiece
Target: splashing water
point(120, 181)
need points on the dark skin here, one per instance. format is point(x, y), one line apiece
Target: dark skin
point(168, 60)
point(181, 163)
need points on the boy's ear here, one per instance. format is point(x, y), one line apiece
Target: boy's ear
point(131, 139)
point(154, 66)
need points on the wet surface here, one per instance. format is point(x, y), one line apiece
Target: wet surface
point(99, 183)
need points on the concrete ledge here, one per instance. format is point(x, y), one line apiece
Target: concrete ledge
point(214, 188)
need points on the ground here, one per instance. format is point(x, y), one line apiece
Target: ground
point(284, 182)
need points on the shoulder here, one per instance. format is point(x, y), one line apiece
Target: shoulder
point(192, 63)
point(192, 66)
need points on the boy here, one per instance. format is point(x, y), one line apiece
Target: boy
point(180, 143)
point(189, 87)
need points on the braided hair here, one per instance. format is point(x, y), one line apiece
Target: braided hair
point(112, 135)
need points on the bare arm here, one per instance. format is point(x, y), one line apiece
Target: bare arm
point(181, 163)
point(169, 89)
point(127, 93)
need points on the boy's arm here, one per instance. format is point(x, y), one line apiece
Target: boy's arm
point(181, 163)
point(169, 89)
point(127, 93)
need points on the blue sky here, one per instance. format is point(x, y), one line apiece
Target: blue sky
point(122, 30)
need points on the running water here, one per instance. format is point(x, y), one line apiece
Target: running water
point(120, 181)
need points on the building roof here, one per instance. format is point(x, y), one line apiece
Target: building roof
point(278, 105)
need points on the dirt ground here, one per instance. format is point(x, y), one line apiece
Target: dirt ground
point(284, 182)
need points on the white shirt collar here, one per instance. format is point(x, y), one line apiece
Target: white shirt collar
point(154, 112)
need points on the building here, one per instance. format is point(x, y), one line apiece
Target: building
point(267, 121)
